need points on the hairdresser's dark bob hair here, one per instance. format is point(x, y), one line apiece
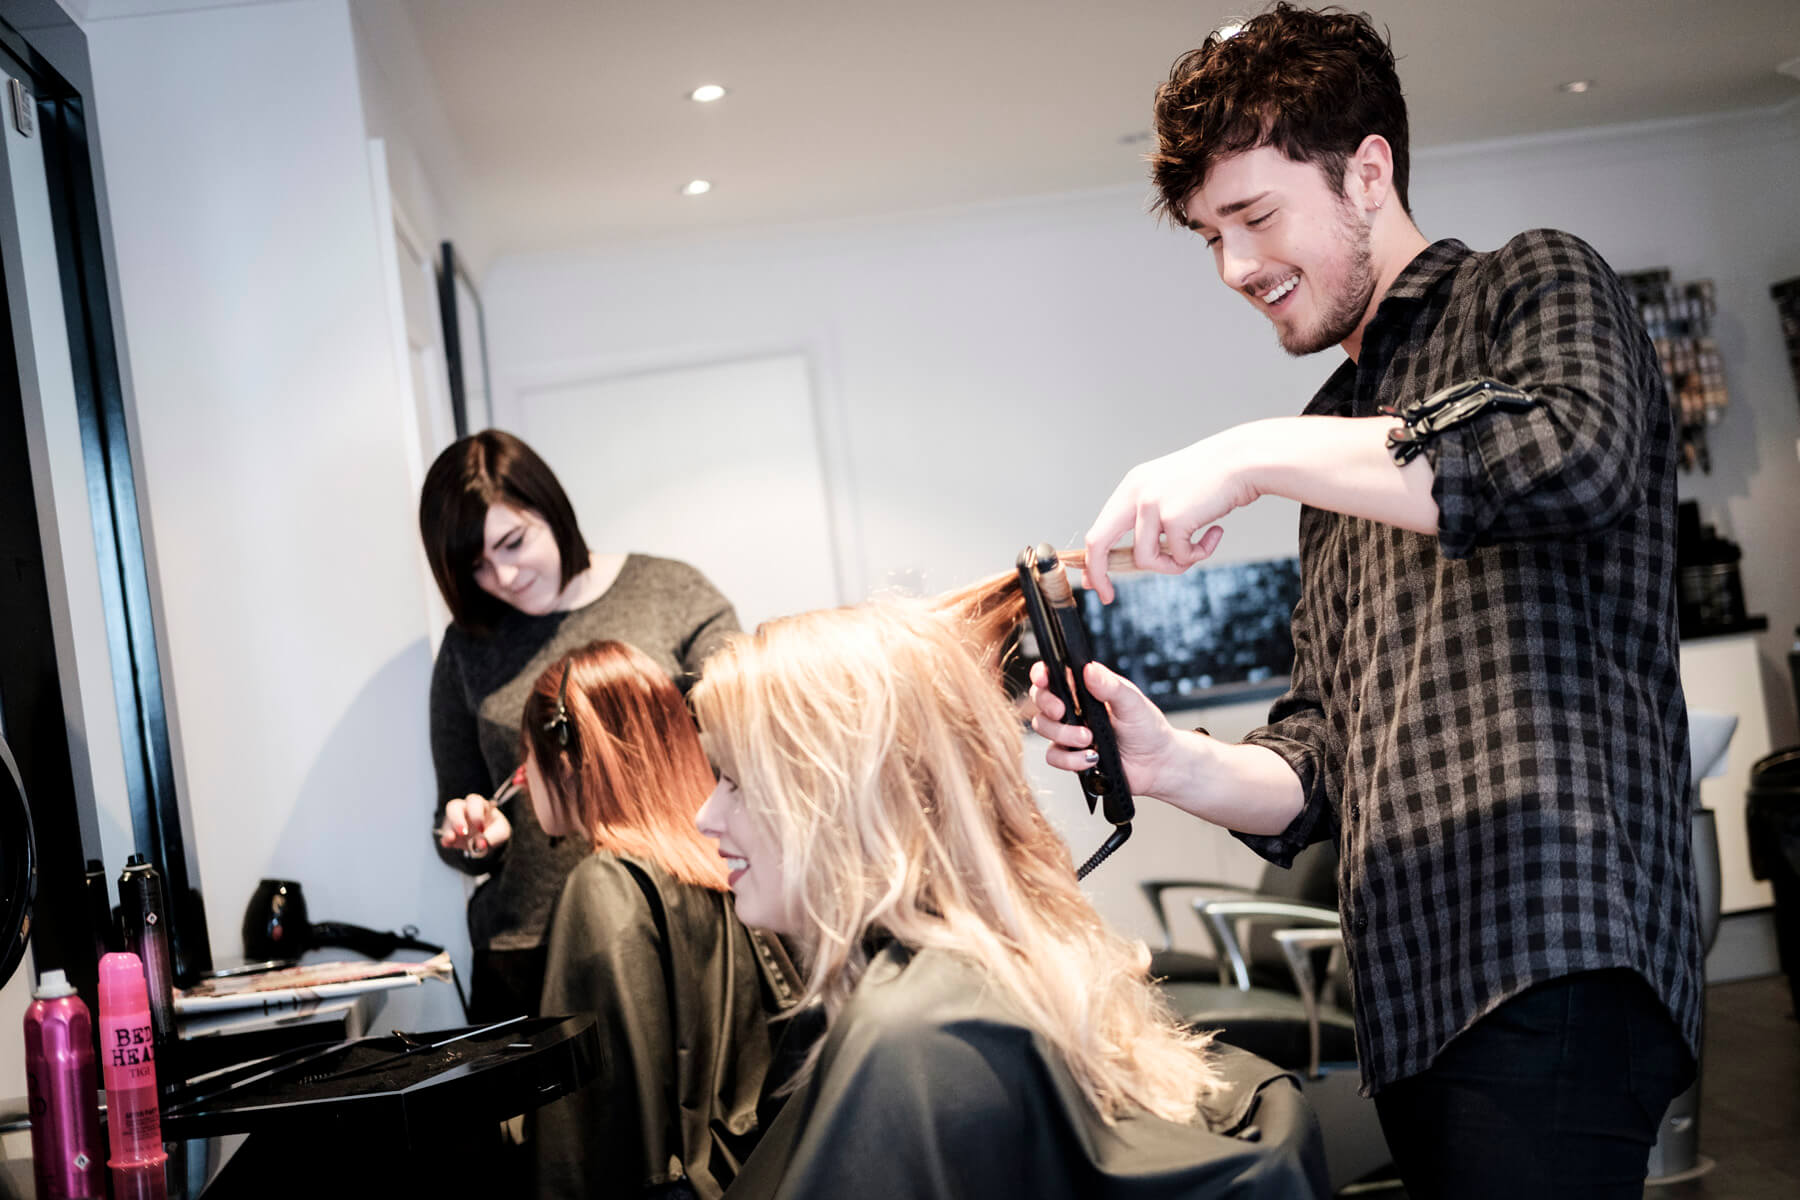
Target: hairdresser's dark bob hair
point(473, 473)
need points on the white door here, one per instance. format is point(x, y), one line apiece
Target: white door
point(718, 465)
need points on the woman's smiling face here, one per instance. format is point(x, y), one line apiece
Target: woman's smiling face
point(753, 856)
point(520, 564)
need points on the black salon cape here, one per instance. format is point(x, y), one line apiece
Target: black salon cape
point(683, 993)
point(928, 1087)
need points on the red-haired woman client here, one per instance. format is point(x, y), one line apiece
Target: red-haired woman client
point(645, 936)
point(987, 1034)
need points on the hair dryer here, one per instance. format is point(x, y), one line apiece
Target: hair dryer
point(276, 927)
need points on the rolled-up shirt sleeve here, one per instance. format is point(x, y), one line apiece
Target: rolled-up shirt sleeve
point(1301, 733)
point(1560, 328)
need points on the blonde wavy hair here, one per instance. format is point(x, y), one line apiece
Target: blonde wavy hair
point(874, 745)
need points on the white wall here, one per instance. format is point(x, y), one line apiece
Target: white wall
point(401, 106)
point(995, 370)
point(703, 438)
point(420, 178)
point(270, 414)
point(971, 358)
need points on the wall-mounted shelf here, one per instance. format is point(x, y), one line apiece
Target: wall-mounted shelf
point(1679, 318)
point(1787, 304)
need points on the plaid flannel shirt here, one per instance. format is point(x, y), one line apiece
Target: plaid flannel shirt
point(1490, 721)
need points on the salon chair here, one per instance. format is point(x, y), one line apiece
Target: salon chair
point(1312, 880)
point(1276, 986)
point(1303, 1028)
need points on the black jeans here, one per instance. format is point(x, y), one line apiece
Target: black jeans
point(1556, 1093)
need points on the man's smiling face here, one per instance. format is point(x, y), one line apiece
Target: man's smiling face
point(1294, 247)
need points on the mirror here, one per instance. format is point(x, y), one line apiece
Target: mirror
point(18, 867)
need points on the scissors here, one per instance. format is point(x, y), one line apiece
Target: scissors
point(478, 847)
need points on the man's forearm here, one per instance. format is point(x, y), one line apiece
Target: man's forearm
point(1340, 464)
point(1248, 788)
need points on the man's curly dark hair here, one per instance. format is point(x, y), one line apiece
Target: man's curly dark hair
point(1310, 84)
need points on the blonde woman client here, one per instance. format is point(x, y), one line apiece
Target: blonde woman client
point(644, 936)
point(987, 1034)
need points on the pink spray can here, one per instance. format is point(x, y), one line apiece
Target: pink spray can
point(65, 1100)
point(128, 1064)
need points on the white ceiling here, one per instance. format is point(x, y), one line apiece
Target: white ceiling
point(572, 122)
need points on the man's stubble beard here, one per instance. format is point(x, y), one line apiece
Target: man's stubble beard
point(1349, 301)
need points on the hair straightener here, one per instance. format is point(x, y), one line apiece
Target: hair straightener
point(1063, 648)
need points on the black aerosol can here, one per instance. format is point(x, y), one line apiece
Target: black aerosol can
point(144, 930)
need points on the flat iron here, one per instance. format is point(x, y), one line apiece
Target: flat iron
point(1063, 646)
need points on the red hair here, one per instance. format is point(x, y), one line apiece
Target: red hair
point(632, 773)
point(991, 609)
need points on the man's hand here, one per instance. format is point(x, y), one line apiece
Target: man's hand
point(475, 825)
point(1165, 502)
point(1141, 731)
point(1247, 788)
point(1340, 464)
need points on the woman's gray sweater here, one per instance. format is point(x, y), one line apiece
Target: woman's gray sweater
point(665, 608)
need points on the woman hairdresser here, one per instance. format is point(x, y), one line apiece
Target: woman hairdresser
point(523, 591)
point(987, 1034)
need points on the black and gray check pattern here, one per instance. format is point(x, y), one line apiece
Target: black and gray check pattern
point(1491, 721)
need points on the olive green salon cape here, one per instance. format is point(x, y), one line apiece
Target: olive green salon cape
point(929, 1087)
point(684, 993)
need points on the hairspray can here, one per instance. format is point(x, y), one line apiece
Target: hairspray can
point(128, 1063)
point(143, 924)
point(65, 1101)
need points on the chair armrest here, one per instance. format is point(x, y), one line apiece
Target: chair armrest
point(1154, 890)
point(1221, 916)
point(1297, 946)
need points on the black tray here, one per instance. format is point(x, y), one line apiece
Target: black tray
point(399, 1092)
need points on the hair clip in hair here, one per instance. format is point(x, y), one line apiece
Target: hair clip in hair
point(559, 724)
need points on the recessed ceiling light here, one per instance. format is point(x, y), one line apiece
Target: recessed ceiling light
point(696, 187)
point(1575, 86)
point(706, 93)
point(1228, 31)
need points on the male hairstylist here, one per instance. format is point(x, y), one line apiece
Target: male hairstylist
point(1485, 710)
